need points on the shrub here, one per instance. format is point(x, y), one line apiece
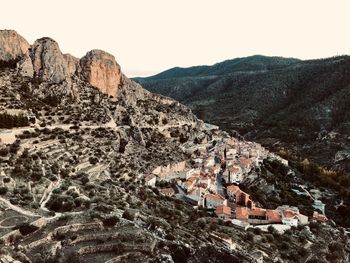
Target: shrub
point(110, 221)
point(285, 245)
point(257, 231)
point(26, 229)
point(3, 190)
point(128, 215)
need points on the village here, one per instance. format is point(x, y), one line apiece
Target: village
point(219, 164)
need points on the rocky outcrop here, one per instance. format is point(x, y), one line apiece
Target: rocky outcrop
point(25, 67)
point(102, 71)
point(49, 63)
point(12, 46)
point(72, 63)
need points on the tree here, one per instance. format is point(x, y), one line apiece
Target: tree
point(128, 215)
point(110, 221)
point(26, 229)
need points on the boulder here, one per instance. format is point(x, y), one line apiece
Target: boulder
point(101, 70)
point(12, 46)
point(25, 67)
point(49, 63)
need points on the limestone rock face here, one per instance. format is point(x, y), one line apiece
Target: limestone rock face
point(102, 71)
point(25, 67)
point(12, 45)
point(72, 63)
point(48, 61)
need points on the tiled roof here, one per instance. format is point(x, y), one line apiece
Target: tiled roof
point(242, 213)
point(233, 188)
point(257, 212)
point(289, 214)
point(273, 215)
point(223, 209)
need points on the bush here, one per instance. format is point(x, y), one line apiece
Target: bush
point(269, 237)
point(3, 190)
point(285, 245)
point(257, 231)
point(26, 229)
point(110, 221)
point(128, 215)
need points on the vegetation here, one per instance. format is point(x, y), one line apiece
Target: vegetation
point(11, 121)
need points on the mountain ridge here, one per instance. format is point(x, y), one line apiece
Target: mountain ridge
point(244, 100)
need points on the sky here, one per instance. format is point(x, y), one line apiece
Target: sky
point(149, 36)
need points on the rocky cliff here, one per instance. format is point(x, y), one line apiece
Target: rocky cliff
point(44, 61)
point(12, 46)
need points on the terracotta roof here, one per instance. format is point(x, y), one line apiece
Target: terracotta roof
point(191, 179)
point(273, 215)
point(242, 213)
point(223, 210)
point(257, 212)
point(289, 214)
point(245, 162)
point(233, 169)
point(233, 188)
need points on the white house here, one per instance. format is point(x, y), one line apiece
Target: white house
point(214, 200)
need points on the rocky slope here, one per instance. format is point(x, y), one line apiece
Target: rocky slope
point(302, 105)
point(79, 139)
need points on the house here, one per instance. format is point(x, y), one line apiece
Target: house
point(234, 174)
point(209, 162)
point(214, 200)
point(273, 216)
point(214, 169)
point(246, 164)
point(167, 191)
point(189, 183)
point(150, 180)
point(291, 215)
point(258, 215)
point(189, 173)
point(289, 218)
point(223, 212)
point(239, 197)
point(195, 195)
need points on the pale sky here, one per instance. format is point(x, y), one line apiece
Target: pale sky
point(149, 36)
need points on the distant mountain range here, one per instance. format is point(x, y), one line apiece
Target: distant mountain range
point(301, 104)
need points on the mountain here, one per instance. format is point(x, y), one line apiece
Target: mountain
point(300, 105)
point(94, 168)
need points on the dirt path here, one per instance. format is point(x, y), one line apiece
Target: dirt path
point(17, 208)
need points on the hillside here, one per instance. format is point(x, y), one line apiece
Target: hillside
point(300, 105)
point(94, 168)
